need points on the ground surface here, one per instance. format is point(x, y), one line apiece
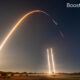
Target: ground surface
point(46, 77)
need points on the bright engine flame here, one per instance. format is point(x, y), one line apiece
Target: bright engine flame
point(49, 65)
point(53, 64)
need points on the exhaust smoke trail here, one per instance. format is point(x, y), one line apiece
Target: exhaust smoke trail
point(52, 57)
point(48, 58)
point(18, 23)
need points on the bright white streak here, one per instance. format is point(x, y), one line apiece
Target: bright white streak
point(18, 23)
point(49, 65)
point(52, 57)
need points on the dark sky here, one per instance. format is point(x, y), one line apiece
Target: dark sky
point(26, 49)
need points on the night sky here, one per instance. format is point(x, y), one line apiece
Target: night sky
point(26, 48)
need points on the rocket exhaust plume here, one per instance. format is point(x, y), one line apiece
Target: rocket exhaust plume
point(52, 57)
point(49, 65)
point(19, 22)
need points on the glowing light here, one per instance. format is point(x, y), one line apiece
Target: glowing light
point(49, 65)
point(18, 23)
point(52, 57)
